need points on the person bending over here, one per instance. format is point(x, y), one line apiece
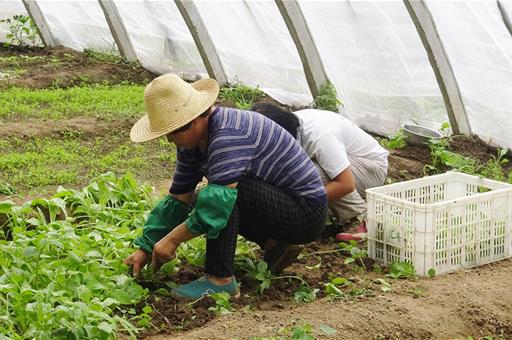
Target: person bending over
point(349, 160)
point(261, 185)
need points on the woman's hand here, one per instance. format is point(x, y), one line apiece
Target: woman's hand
point(163, 251)
point(137, 260)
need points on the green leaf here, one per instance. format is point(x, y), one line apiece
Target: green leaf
point(338, 281)
point(349, 260)
point(302, 333)
point(401, 270)
point(332, 290)
point(56, 243)
point(431, 272)
point(84, 293)
point(73, 259)
point(162, 292)
point(327, 330)
point(260, 276)
point(122, 296)
point(262, 267)
point(105, 327)
point(30, 251)
point(5, 206)
point(169, 267)
point(264, 285)
point(305, 294)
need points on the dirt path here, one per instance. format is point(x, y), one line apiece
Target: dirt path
point(475, 302)
point(86, 126)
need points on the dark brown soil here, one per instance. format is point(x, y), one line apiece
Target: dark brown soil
point(64, 67)
point(85, 126)
point(175, 316)
point(408, 163)
point(425, 301)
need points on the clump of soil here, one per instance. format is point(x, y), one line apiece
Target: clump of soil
point(63, 67)
point(407, 163)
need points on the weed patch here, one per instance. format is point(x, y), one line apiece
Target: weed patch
point(22, 31)
point(327, 99)
point(240, 96)
point(72, 161)
point(107, 101)
point(394, 141)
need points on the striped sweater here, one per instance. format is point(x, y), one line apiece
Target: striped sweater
point(245, 143)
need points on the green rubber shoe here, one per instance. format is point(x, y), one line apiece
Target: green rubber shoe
point(202, 287)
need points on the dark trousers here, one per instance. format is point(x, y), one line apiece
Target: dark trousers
point(263, 212)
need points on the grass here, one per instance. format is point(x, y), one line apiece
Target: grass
point(327, 99)
point(241, 96)
point(38, 162)
point(106, 100)
point(394, 141)
point(19, 60)
point(107, 55)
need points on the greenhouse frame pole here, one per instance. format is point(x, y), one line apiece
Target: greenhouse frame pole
point(34, 11)
point(504, 15)
point(308, 52)
point(118, 30)
point(427, 30)
point(202, 39)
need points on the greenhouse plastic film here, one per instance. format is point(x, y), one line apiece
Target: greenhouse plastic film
point(79, 25)
point(161, 38)
point(374, 56)
point(480, 51)
point(371, 52)
point(256, 48)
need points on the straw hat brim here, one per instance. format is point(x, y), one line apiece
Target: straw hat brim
point(141, 131)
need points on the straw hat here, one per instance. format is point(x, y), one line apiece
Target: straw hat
point(172, 103)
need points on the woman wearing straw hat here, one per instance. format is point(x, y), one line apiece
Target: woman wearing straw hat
point(261, 185)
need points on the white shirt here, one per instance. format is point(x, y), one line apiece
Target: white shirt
point(329, 139)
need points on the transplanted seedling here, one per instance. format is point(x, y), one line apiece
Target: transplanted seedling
point(384, 285)
point(356, 254)
point(241, 96)
point(394, 141)
point(418, 292)
point(259, 271)
point(305, 294)
point(222, 303)
point(327, 98)
point(332, 288)
point(401, 270)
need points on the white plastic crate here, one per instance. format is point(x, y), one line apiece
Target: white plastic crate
point(445, 222)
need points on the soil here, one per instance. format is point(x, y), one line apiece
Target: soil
point(85, 126)
point(474, 302)
point(64, 67)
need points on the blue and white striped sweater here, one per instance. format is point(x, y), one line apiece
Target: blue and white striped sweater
point(245, 143)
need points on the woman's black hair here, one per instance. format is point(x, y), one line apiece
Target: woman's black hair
point(284, 117)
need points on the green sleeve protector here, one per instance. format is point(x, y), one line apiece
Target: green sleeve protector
point(167, 215)
point(212, 210)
